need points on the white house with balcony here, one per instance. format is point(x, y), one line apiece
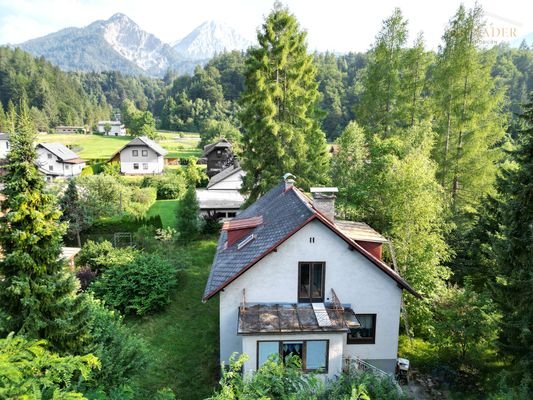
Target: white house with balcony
point(57, 160)
point(141, 156)
point(292, 279)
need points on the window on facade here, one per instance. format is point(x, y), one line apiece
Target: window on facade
point(312, 353)
point(366, 334)
point(66, 166)
point(50, 167)
point(135, 153)
point(145, 153)
point(7, 145)
point(49, 156)
point(311, 282)
point(145, 165)
point(135, 165)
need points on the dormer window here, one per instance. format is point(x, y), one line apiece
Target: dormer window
point(245, 241)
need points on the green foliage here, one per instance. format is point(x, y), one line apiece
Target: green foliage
point(358, 385)
point(139, 123)
point(279, 118)
point(170, 185)
point(54, 97)
point(188, 221)
point(512, 246)
point(28, 370)
point(140, 286)
point(72, 212)
point(213, 131)
point(100, 256)
point(466, 325)
point(122, 353)
point(38, 296)
point(111, 168)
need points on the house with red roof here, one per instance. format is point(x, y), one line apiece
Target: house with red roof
point(292, 279)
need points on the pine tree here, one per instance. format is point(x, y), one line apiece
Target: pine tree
point(37, 293)
point(2, 118)
point(513, 287)
point(281, 131)
point(188, 225)
point(467, 113)
point(72, 211)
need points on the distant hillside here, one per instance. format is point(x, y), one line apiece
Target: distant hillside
point(119, 44)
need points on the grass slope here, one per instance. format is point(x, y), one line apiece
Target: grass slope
point(184, 338)
point(167, 210)
point(89, 147)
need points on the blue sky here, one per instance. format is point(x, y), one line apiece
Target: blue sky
point(337, 25)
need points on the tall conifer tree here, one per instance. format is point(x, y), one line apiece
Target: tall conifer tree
point(38, 296)
point(281, 131)
point(467, 113)
point(513, 288)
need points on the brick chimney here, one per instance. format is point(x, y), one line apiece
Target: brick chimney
point(324, 201)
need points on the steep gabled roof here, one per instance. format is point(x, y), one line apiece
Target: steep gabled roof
point(143, 141)
point(284, 213)
point(225, 173)
point(60, 151)
point(223, 143)
point(4, 136)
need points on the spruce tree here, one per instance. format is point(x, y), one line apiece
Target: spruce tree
point(10, 118)
point(38, 296)
point(2, 118)
point(72, 211)
point(280, 121)
point(467, 113)
point(513, 288)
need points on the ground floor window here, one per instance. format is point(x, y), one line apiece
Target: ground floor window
point(135, 165)
point(366, 333)
point(313, 353)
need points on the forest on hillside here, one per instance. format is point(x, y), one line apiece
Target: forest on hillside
point(433, 150)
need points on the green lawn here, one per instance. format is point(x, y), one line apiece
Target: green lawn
point(89, 147)
point(183, 339)
point(167, 209)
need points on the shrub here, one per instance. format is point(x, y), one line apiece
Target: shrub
point(188, 218)
point(122, 353)
point(86, 276)
point(170, 185)
point(102, 255)
point(140, 286)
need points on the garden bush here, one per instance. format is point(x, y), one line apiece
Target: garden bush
point(170, 185)
point(140, 286)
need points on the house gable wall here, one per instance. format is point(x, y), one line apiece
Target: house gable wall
point(59, 168)
point(354, 278)
point(4, 148)
point(127, 159)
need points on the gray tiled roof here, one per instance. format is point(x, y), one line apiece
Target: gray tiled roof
point(283, 213)
point(4, 136)
point(144, 141)
point(60, 151)
point(219, 145)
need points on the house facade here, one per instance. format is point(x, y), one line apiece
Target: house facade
point(68, 129)
point(291, 281)
point(116, 128)
point(4, 145)
point(141, 156)
point(56, 160)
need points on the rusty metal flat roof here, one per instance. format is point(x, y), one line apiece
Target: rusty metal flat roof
point(293, 318)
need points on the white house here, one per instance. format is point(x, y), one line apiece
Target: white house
point(4, 145)
point(222, 197)
point(116, 128)
point(292, 280)
point(57, 160)
point(141, 156)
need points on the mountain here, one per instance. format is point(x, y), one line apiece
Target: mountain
point(115, 44)
point(119, 44)
point(209, 39)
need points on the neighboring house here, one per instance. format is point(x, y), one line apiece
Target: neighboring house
point(70, 129)
point(141, 156)
point(4, 145)
point(56, 160)
point(219, 156)
point(116, 128)
point(291, 279)
point(222, 198)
